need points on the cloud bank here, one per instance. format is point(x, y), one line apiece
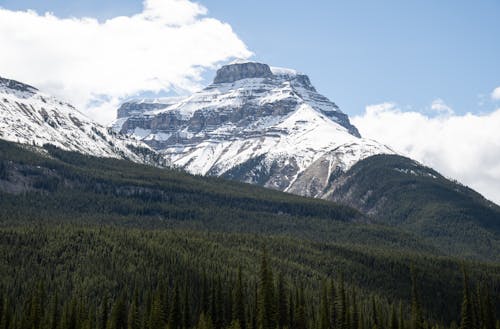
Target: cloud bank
point(95, 65)
point(462, 147)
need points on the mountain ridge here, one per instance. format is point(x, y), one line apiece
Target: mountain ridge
point(29, 116)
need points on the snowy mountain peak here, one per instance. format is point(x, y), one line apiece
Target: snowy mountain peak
point(238, 71)
point(254, 123)
point(29, 116)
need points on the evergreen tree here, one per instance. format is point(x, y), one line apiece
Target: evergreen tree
point(466, 313)
point(416, 313)
point(204, 322)
point(324, 315)
point(355, 311)
point(239, 302)
point(175, 317)
point(393, 321)
point(103, 319)
point(267, 302)
point(282, 303)
point(488, 310)
point(54, 313)
point(157, 315)
point(118, 319)
point(401, 323)
point(300, 310)
point(133, 313)
point(186, 318)
point(341, 305)
point(7, 316)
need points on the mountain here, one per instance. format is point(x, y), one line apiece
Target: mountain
point(255, 123)
point(102, 226)
point(269, 126)
point(29, 116)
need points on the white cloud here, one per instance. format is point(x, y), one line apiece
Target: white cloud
point(495, 94)
point(463, 147)
point(440, 107)
point(96, 64)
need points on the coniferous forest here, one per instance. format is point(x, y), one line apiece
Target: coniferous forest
point(105, 244)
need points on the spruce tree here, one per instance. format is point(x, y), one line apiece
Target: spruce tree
point(157, 315)
point(175, 319)
point(355, 311)
point(416, 315)
point(401, 323)
point(341, 305)
point(393, 320)
point(282, 303)
point(300, 310)
point(324, 314)
point(466, 312)
point(267, 302)
point(133, 313)
point(239, 302)
point(118, 319)
point(186, 316)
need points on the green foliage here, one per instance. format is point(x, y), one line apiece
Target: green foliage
point(417, 199)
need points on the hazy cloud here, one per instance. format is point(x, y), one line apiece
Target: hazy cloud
point(495, 94)
point(439, 106)
point(463, 147)
point(96, 64)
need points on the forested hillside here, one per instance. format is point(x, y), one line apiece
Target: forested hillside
point(102, 243)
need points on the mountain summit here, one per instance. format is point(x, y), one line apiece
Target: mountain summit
point(255, 123)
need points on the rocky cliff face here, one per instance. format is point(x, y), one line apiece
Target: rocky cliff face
point(29, 116)
point(257, 124)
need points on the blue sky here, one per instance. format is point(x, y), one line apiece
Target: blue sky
point(356, 52)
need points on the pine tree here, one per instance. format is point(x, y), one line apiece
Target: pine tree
point(175, 317)
point(282, 303)
point(300, 310)
point(103, 319)
point(204, 322)
point(324, 315)
point(205, 294)
point(401, 323)
point(54, 312)
point(133, 313)
point(375, 319)
point(393, 321)
point(355, 311)
point(466, 313)
point(157, 315)
point(7, 316)
point(218, 317)
point(488, 310)
point(118, 319)
point(341, 305)
point(416, 315)
point(235, 324)
point(186, 318)
point(239, 302)
point(36, 307)
point(267, 302)
point(333, 304)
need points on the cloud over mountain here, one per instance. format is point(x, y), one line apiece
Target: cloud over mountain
point(96, 64)
point(463, 147)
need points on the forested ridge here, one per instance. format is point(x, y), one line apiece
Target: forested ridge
point(102, 243)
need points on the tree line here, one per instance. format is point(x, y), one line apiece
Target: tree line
point(237, 302)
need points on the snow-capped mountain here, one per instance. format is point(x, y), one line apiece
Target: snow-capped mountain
point(29, 116)
point(254, 123)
